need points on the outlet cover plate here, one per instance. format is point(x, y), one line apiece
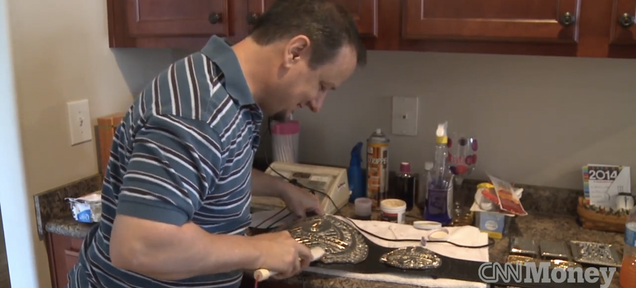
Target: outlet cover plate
point(79, 120)
point(404, 115)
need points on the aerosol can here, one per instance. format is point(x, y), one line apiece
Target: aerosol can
point(377, 167)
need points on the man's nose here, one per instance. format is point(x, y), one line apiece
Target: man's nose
point(316, 104)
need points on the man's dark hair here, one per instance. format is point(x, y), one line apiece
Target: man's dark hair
point(328, 25)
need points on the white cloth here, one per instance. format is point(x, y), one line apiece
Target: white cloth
point(466, 235)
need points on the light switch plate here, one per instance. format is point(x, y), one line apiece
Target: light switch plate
point(404, 115)
point(79, 120)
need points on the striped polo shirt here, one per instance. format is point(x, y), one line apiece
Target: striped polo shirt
point(182, 153)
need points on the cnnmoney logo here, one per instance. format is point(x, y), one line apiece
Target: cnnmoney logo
point(542, 274)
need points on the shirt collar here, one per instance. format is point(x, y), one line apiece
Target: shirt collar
point(220, 52)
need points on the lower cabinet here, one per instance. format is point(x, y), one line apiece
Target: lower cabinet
point(63, 254)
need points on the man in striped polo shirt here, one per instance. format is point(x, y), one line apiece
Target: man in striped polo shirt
point(179, 181)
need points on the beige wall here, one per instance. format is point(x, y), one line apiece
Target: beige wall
point(61, 54)
point(537, 119)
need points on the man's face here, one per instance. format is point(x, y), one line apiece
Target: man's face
point(301, 86)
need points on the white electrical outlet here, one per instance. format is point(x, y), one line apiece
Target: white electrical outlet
point(404, 115)
point(79, 120)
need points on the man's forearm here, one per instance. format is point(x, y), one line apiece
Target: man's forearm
point(170, 252)
point(266, 185)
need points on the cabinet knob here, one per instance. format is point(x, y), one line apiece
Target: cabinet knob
point(214, 18)
point(252, 18)
point(567, 19)
point(626, 20)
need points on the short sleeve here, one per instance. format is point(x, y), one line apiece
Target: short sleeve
point(174, 162)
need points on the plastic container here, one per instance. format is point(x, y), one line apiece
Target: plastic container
point(363, 208)
point(355, 175)
point(439, 202)
point(285, 141)
point(393, 210)
point(440, 166)
point(628, 268)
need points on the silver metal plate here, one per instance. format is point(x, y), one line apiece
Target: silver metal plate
point(412, 258)
point(342, 242)
point(595, 253)
point(554, 250)
point(523, 246)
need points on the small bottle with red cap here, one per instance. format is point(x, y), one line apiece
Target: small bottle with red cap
point(406, 185)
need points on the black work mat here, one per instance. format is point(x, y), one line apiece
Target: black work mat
point(450, 268)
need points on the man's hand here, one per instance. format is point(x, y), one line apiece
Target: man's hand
point(279, 252)
point(300, 200)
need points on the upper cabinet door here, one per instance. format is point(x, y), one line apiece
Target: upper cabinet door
point(165, 18)
point(624, 22)
point(530, 21)
point(364, 12)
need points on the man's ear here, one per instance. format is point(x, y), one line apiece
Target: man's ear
point(296, 49)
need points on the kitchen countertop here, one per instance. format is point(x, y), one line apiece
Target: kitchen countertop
point(536, 226)
point(67, 226)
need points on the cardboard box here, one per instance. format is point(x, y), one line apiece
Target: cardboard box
point(495, 224)
point(106, 128)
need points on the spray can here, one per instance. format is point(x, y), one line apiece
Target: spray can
point(377, 167)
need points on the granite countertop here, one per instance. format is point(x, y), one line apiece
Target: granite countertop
point(67, 226)
point(536, 226)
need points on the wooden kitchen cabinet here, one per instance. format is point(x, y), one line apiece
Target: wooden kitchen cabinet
point(63, 253)
point(451, 25)
point(599, 28)
point(521, 27)
point(624, 28)
point(166, 18)
point(530, 21)
point(169, 23)
point(364, 12)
